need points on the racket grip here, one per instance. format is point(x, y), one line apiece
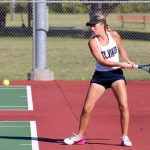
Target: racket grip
point(136, 66)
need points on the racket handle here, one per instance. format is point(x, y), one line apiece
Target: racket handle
point(136, 66)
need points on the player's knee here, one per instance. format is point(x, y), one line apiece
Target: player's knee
point(123, 108)
point(87, 109)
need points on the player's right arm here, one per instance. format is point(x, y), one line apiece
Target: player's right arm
point(98, 56)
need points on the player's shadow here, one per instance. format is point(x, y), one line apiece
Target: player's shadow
point(42, 139)
point(60, 141)
point(100, 142)
point(51, 140)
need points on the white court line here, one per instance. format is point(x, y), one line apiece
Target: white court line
point(35, 144)
point(29, 95)
point(29, 98)
point(34, 137)
point(13, 121)
point(12, 106)
point(12, 87)
point(14, 126)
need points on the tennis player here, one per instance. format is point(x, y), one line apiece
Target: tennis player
point(106, 47)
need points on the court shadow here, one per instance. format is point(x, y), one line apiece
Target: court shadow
point(51, 140)
point(41, 139)
point(15, 137)
point(60, 141)
point(99, 142)
point(103, 143)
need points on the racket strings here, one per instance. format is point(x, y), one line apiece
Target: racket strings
point(147, 69)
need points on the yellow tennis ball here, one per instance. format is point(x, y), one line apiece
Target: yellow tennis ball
point(6, 82)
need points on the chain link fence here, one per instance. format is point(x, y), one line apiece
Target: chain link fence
point(68, 55)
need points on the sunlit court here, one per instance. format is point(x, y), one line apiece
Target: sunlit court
point(56, 110)
point(16, 98)
point(64, 62)
point(18, 135)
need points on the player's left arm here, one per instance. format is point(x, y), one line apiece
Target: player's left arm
point(121, 49)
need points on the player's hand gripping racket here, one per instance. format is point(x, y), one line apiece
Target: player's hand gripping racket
point(145, 67)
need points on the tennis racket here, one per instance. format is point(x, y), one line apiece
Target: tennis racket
point(145, 67)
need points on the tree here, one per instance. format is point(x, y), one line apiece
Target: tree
point(103, 8)
point(3, 12)
point(29, 14)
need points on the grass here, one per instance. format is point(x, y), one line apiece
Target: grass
point(77, 20)
point(15, 57)
point(69, 58)
point(114, 22)
point(59, 20)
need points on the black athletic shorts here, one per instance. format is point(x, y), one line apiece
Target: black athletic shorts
point(106, 78)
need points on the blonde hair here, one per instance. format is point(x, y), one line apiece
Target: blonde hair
point(100, 16)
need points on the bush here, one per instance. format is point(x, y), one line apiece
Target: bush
point(67, 8)
point(130, 8)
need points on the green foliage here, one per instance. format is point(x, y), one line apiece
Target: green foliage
point(74, 8)
point(55, 8)
point(21, 7)
point(132, 8)
point(71, 8)
point(4, 7)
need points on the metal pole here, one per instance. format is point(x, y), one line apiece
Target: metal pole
point(12, 9)
point(33, 26)
point(40, 70)
point(40, 35)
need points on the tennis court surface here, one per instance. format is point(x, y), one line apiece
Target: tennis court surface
point(38, 115)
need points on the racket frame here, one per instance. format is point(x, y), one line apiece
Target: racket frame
point(142, 67)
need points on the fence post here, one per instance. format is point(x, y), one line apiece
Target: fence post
point(40, 70)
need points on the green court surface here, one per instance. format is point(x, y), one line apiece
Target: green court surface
point(18, 135)
point(15, 98)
